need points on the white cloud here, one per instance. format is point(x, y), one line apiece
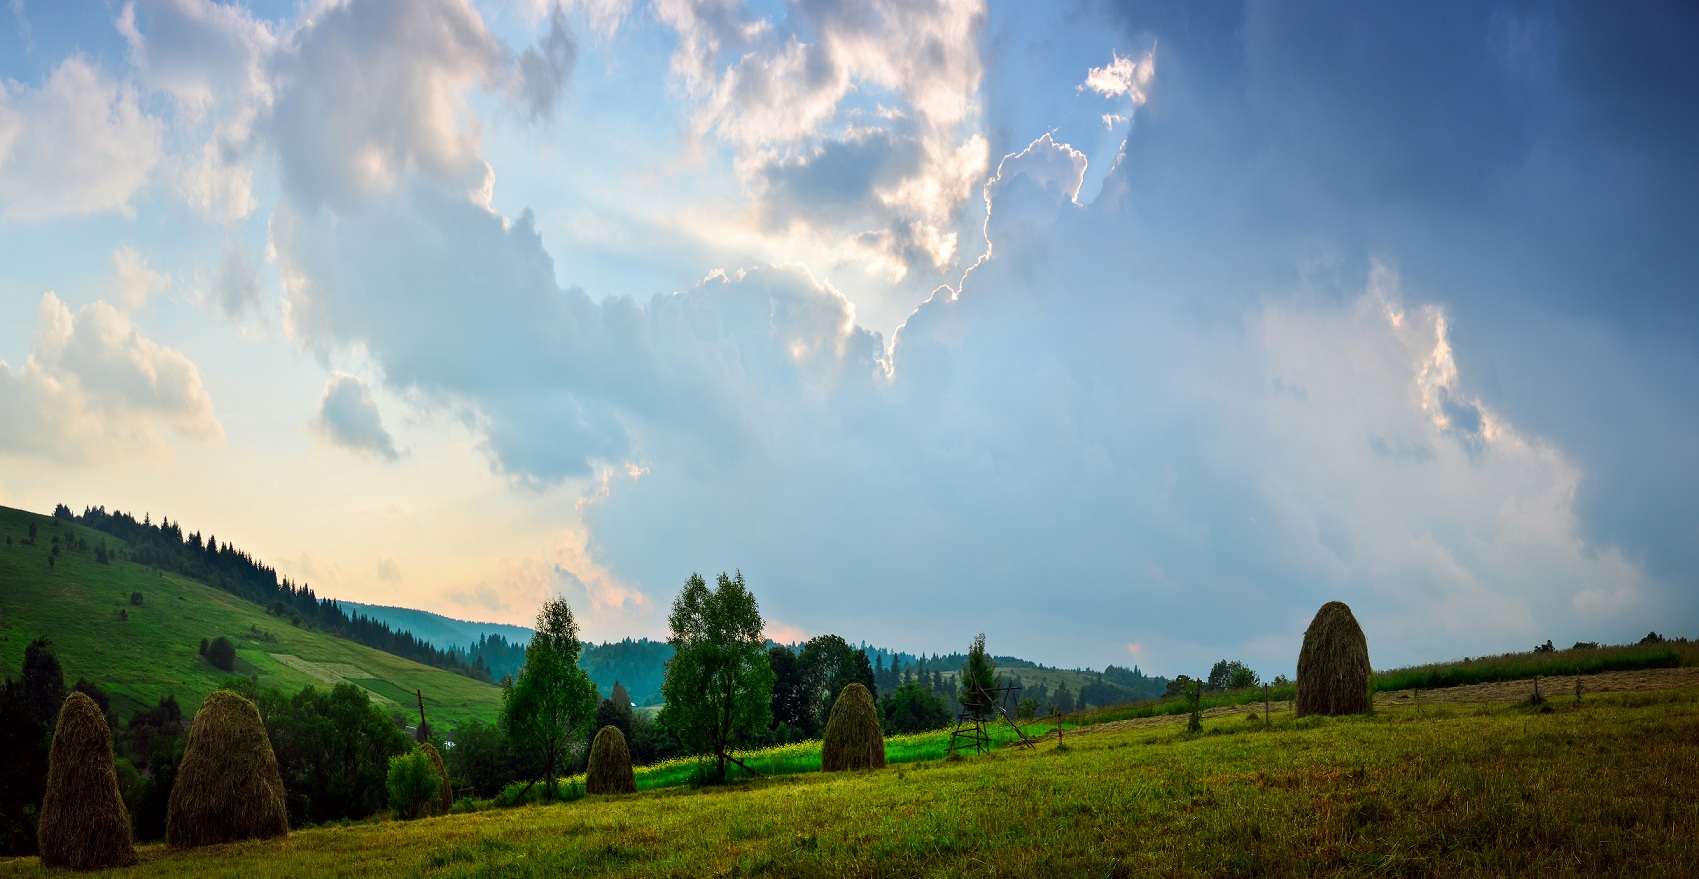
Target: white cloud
point(541, 72)
point(236, 284)
point(95, 384)
point(874, 77)
point(79, 144)
point(349, 417)
point(414, 64)
point(136, 282)
point(1123, 77)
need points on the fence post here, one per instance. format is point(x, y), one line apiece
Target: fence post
point(1266, 719)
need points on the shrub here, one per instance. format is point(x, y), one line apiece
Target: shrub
point(221, 653)
point(84, 825)
point(853, 738)
point(445, 791)
point(136, 599)
point(414, 785)
point(609, 771)
point(1333, 664)
point(228, 787)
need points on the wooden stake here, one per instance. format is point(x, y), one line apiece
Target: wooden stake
point(1267, 720)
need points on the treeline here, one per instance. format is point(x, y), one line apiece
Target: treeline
point(165, 547)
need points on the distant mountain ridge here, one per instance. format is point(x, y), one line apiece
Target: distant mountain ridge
point(440, 631)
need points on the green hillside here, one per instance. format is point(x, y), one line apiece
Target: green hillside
point(82, 606)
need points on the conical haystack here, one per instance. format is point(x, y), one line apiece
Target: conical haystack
point(1333, 666)
point(853, 737)
point(228, 787)
point(84, 825)
point(610, 771)
point(445, 796)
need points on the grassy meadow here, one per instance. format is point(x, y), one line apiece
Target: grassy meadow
point(1603, 787)
point(140, 653)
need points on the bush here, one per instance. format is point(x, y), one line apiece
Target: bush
point(853, 738)
point(609, 770)
point(84, 825)
point(136, 599)
point(414, 785)
point(221, 653)
point(228, 787)
point(1333, 664)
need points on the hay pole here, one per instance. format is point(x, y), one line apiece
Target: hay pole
point(424, 733)
point(745, 766)
point(1267, 721)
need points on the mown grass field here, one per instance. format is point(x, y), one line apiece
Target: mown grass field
point(156, 650)
point(1604, 788)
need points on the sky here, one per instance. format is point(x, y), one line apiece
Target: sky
point(1121, 332)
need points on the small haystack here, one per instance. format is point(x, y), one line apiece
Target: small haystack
point(610, 771)
point(445, 795)
point(84, 825)
point(1333, 666)
point(853, 737)
point(228, 787)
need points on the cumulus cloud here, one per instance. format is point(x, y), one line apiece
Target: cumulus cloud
point(415, 64)
point(78, 144)
point(884, 94)
point(349, 417)
point(95, 384)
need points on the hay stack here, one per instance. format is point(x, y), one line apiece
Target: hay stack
point(1333, 666)
point(853, 737)
point(445, 795)
point(84, 825)
point(610, 771)
point(228, 787)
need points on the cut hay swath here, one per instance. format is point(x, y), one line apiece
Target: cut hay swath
point(228, 787)
point(84, 825)
point(853, 737)
point(445, 794)
point(1333, 665)
point(609, 770)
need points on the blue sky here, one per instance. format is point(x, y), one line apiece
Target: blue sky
point(1119, 332)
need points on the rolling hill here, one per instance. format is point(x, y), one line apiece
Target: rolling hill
point(139, 653)
point(440, 631)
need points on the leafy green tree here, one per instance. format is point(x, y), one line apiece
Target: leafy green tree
point(43, 682)
point(549, 708)
point(23, 769)
point(333, 750)
point(719, 683)
point(912, 708)
point(412, 782)
point(221, 653)
point(1231, 675)
point(828, 664)
point(978, 680)
point(791, 715)
point(479, 758)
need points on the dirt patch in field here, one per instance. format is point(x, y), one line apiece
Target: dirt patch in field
point(1504, 691)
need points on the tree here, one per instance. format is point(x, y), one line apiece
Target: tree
point(828, 664)
point(221, 653)
point(552, 702)
point(791, 716)
point(333, 751)
point(479, 758)
point(43, 682)
point(719, 683)
point(979, 678)
point(23, 771)
point(1234, 675)
point(912, 708)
